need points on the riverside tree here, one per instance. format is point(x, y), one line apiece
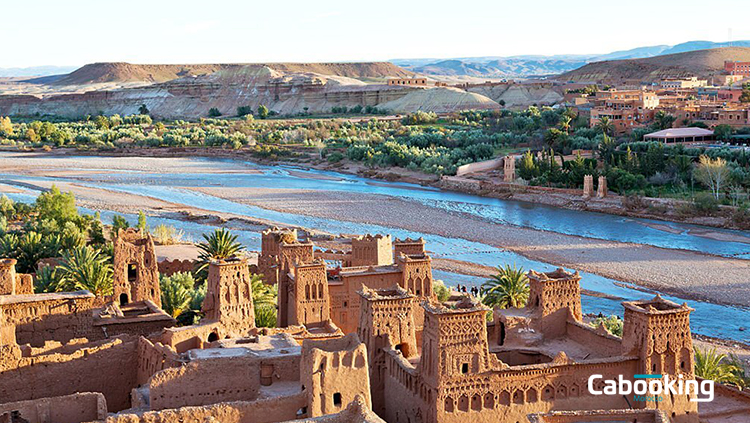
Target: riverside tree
point(713, 173)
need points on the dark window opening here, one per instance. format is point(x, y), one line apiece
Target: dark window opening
point(501, 336)
point(337, 399)
point(123, 299)
point(302, 412)
point(213, 337)
point(132, 272)
point(465, 368)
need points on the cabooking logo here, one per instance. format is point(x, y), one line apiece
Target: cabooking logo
point(654, 387)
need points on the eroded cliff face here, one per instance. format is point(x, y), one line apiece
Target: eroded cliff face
point(193, 96)
point(283, 88)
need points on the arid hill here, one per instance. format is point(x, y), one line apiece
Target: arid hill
point(125, 72)
point(121, 72)
point(701, 63)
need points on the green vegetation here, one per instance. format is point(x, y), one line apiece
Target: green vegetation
point(219, 245)
point(422, 141)
point(441, 291)
point(509, 288)
point(718, 367)
point(613, 324)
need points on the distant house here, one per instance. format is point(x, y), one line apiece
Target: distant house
point(675, 135)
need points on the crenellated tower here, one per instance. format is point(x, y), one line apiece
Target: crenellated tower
point(386, 321)
point(229, 296)
point(372, 250)
point(555, 296)
point(658, 332)
point(454, 342)
point(308, 294)
point(408, 246)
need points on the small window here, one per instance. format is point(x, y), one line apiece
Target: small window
point(465, 368)
point(213, 337)
point(337, 399)
point(132, 272)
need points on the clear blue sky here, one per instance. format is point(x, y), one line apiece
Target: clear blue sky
point(75, 32)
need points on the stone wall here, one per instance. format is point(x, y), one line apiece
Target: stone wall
point(109, 367)
point(271, 410)
point(203, 382)
point(153, 358)
point(74, 408)
point(170, 267)
point(45, 317)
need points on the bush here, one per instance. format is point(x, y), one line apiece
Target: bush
point(613, 324)
point(705, 203)
point(335, 157)
point(167, 235)
point(441, 291)
point(244, 111)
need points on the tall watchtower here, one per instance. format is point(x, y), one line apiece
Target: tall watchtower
point(386, 320)
point(270, 251)
point(658, 331)
point(372, 250)
point(229, 296)
point(136, 272)
point(290, 255)
point(454, 341)
point(308, 296)
point(554, 295)
point(408, 246)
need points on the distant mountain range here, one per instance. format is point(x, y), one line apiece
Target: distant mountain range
point(36, 71)
point(525, 66)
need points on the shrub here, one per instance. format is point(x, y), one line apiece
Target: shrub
point(441, 291)
point(613, 324)
point(335, 157)
point(167, 235)
point(214, 112)
point(705, 203)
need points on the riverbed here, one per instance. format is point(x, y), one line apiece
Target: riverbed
point(611, 251)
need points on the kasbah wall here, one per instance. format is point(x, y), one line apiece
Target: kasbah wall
point(350, 339)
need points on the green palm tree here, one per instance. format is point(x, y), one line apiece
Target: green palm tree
point(220, 244)
point(265, 316)
point(565, 121)
point(263, 294)
point(509, 288)
point(710, 365)
point(47, 279)
point(175, 298)
point(84, 268)
point(605, 125)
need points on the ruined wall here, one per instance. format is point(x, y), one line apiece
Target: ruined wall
point(187, 338)
point(203, 382)
point(153, 358)
point(606, 345)
point(135, 270)
point(57, 316)
point(170, 267)
point(74, 408)
point(333, 372)
point(269, 410)
point(289, 255)
point(109, 367)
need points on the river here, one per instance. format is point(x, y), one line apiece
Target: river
point(709, 319)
